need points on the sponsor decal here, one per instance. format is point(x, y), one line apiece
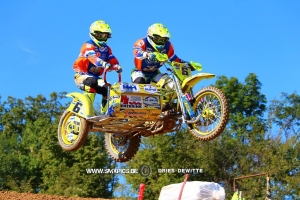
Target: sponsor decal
point(163, 51)
point(114, 98)
point(95, 70)
point(90, 53)
point(128, 101)
point(113, 108)
point(135, 113)
point(150, 68)
point(141, 43)
point(151, 102)
point(103, 49)
point(154, 114)
point(103, 56)
point(129, 87)
point(149, 50)
point(150, 89)
point(111, 111)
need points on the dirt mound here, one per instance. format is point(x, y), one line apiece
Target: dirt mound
point(8, 195)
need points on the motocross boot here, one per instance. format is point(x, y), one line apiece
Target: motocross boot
point(103, 109)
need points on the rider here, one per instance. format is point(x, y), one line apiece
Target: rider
point(146, 66)
point(95, 55)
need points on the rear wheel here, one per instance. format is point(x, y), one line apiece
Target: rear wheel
point(122, 149)
point(72, 131)
point(211, 104)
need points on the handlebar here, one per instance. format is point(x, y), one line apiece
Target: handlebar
point(104, 76)
point(164, 58)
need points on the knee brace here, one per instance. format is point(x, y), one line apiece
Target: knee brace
point(140, 80)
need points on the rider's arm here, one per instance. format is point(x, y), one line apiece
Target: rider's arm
point(139, 50)
point(87, 61)
point(88, 51)
point(172, 56)
point(82, 62)
point(112, 60)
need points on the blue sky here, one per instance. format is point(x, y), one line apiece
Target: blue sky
point(41, 39)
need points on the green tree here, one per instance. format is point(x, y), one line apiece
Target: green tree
point(284, 120)
point(32, 160)
point(245, 135)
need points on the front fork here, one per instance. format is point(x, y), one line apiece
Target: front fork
point(184, 102)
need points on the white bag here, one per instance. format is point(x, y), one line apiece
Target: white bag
point(193, 190)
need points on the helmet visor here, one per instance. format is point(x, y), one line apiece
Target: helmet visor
point(101, 36)
point(159, 40)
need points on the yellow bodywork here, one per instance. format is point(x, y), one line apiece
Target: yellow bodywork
point(82, 105)
point(193, 80)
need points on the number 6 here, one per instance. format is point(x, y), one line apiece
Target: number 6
point(77, 107)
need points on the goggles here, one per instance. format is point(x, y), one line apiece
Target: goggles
point(159, 40)
point(101, 36)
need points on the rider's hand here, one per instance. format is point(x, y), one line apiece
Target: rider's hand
point(151, 57)
point(188, 65)
point(117, 68)
point(106, 65)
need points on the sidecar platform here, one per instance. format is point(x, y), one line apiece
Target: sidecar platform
point(107, 120)
point(116, 124)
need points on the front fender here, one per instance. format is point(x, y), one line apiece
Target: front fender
point(193, 80)
point(81, 105)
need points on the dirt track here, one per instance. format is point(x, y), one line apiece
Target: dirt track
point(5, 195)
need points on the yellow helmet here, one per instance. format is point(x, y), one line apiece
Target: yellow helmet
point(158, 35)
point(100, 32)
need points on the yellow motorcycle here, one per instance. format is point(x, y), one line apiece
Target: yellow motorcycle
point(143, 110)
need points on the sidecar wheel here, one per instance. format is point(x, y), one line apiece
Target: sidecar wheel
point(122, 149)
point(211, 104)
point(72, 131)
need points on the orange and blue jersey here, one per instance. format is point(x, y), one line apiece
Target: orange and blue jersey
point(91, 58)
point(150, 68)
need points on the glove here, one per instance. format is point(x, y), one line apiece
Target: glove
point(188, 65)
point(151, 56)
point(105, 64)
point(117, 68)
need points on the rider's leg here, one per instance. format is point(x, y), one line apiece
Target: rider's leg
point(79, 81)
point(99, 89)
point(158, 76)
point(138, 77)
point(102, 89)
point(165, 81)
point(140, 80)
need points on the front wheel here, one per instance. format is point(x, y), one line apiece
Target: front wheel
point(122, 148)
point(72, 131)
point(211, 104)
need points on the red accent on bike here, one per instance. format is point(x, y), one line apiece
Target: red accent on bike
point(104, 77)
point(124, 99)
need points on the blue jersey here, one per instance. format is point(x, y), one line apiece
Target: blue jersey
point(91, 58)
point(150, 68)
